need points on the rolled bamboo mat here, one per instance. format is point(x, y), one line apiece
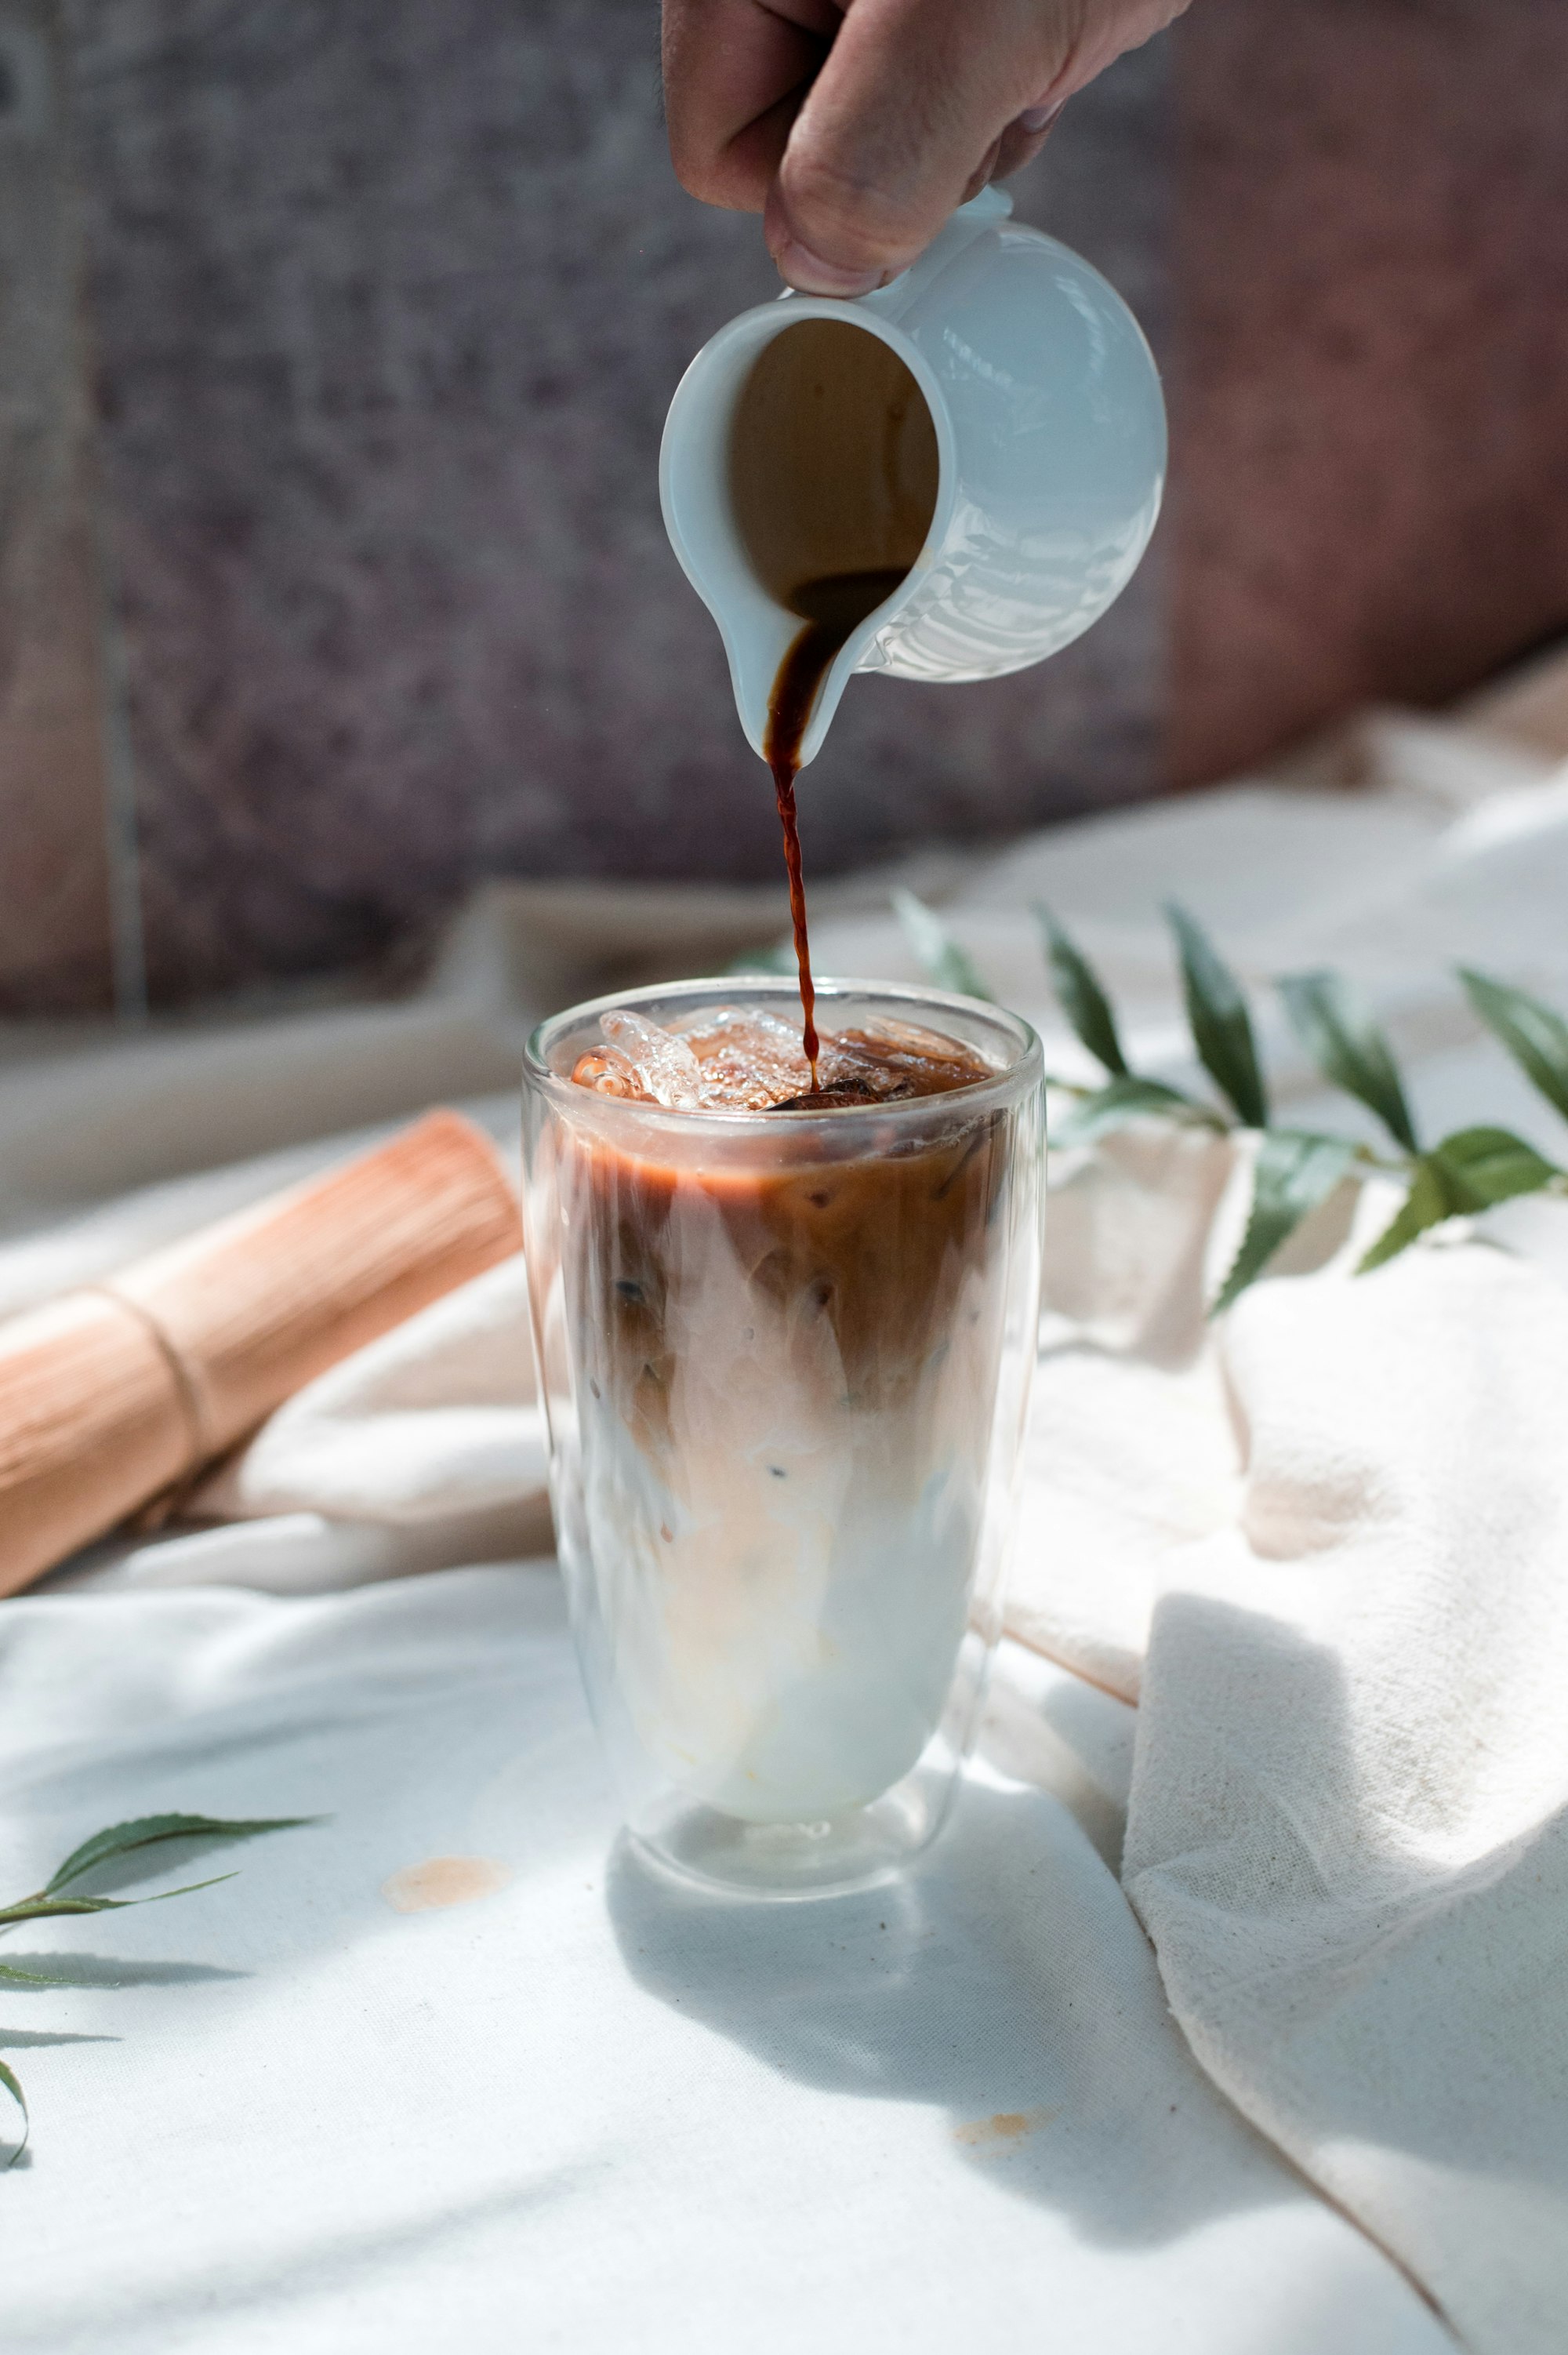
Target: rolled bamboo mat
point(115, 1394)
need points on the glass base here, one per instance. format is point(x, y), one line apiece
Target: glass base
point(784, 1862)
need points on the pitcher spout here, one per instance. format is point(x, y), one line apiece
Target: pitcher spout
point(768, 574)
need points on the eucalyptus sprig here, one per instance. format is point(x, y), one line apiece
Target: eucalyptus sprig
point(1125, 1094)
point(941, 958)
point(1294, 1170)
point(116, 1846)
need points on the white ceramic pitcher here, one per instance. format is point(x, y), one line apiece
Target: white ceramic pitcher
point(1051, 440)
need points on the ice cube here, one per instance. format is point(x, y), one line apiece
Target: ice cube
point(746, 1058)
point(731, 1083)
point(903, 1050)
point(665, 1067)
point(607, 1074)
point(754, 1024)
point(749, 1058)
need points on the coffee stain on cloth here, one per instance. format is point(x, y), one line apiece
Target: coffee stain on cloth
point(998, 2133)
point(444, 1880)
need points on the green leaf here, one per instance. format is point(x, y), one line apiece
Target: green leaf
point(779, 958)
point(1466, 1172)
point(1294, 1173)
point(1220, 1023)
point(120, 1840)
point(9, 2080)
point(1483, 1166)
point(147, 1831)
point(1535, 1036)
point(1426, 1205)
point(1348, 1048)
point(1124, 1099)
point(941, 958)
point(186, 1889)
point(1079, 995)
point(44, 1908)
point(50, 1909)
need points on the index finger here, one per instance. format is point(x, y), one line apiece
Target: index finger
point(736, 72)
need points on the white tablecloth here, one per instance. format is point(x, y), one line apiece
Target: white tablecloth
point(579, 2109)
point(584, 2112)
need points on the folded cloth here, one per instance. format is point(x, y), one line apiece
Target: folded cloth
point(1328, 1557)
point(437, 1419)
point(1348, 1827)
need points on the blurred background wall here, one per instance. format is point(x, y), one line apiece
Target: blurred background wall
point(335, 339)
point(1369, 498)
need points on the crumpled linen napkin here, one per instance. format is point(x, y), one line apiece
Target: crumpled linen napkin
point(1348, 1835)
point(1327, 1556)
point(438, 1418)
point(1324, 1546)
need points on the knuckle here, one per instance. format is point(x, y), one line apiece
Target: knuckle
point(713, 173)
point(845, 217)
point(700, 172)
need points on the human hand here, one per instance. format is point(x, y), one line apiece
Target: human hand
point(855, 126)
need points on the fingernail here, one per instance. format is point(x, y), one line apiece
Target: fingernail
point(810, 275)
point(1035, 118)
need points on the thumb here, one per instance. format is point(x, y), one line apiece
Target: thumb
point(910, 104)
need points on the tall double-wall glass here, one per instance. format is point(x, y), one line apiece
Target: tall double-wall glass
point(786, 1358)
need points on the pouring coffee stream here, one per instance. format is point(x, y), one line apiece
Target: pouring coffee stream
point(832, 479)
point(832, 609)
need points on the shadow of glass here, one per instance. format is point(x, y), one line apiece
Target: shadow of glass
point(1047, 1728)
point(1003, 1981)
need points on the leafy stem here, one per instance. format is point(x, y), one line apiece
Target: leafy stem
point(124, 1846)
point(1294, 1171)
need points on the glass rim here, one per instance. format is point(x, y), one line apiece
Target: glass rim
point(1026, 1067)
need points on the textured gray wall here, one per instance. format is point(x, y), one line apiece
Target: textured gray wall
point(1370, 419)
point(384, 302)
point(55, 905)
point(390, 301)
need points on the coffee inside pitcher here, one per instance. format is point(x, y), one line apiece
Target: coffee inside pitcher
point(834, 476)
point(833, 470)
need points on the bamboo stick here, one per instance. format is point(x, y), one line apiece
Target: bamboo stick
point(112, 1395)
